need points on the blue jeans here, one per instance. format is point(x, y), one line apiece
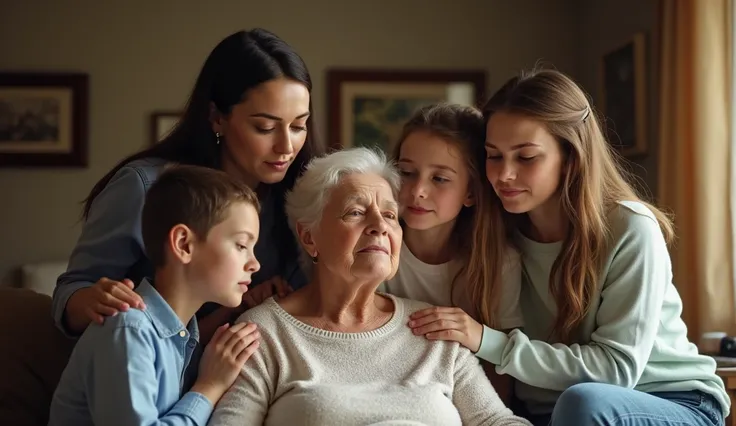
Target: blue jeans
point(597, 404)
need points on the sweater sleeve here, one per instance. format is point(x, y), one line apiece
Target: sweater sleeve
point(627, 318)
point(509, 308)
point(474, 397)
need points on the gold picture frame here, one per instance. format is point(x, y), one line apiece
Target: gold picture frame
point(368, 107)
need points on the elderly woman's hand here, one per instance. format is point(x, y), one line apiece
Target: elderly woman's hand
point(444, 323)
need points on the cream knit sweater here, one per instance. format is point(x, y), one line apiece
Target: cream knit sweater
point(302, 375)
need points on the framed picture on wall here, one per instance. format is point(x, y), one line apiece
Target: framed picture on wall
point(623, 96)
point(43, 119)
point(369, 107)
point(162, 123)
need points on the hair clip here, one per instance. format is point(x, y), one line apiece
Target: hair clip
point(587, 113)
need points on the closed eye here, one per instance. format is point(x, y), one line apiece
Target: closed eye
point(264, 130)
point(440, 179)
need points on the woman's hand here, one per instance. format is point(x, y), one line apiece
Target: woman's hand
point(442, 323)
point(103, 299)
point(266, 289)
point(224, 357)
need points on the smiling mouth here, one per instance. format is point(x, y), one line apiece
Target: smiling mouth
point(510, 192)
point(418, 210)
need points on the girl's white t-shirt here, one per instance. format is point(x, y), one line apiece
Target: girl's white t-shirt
point(433, 284)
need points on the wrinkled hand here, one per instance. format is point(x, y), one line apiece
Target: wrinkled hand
point(224, 357)
point(274, 285)
point(103, 299)
point(444, 323)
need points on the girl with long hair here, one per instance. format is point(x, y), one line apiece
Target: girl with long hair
point(450, 255)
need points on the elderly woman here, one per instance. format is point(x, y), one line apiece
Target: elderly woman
point(336, 352)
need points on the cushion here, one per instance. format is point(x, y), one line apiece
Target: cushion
point(41, 277)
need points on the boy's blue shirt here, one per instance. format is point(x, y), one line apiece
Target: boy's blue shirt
point(129, 371)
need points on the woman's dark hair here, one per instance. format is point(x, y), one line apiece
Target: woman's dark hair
point(240, 62)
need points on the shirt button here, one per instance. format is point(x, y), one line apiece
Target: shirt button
point(183, 333)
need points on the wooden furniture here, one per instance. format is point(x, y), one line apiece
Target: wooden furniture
point(728, 374)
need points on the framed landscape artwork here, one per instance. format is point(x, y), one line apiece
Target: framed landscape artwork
point(369, 107)
point(43, 119)
point(623, 96)
point(162, 122)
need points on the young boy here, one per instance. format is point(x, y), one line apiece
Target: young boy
point(199, 229)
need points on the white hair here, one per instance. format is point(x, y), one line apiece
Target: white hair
point(306, 201)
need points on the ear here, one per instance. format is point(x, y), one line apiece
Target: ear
point(469, 199)
point(181, 243)
point(306, 239)
point(217, 120)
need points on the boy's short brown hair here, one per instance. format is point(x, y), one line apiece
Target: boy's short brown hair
point(198, 197)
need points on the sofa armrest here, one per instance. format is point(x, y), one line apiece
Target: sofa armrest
point(34, 355)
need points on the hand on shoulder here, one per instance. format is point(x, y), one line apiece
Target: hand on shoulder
point(224, 358)
point(103, 299)
point(447, 323)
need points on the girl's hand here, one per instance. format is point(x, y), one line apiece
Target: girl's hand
point(443, 323)
point(266, 289)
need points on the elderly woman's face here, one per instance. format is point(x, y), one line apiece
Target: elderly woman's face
point(359, 235)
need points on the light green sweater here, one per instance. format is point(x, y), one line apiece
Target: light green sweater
point(633, 335)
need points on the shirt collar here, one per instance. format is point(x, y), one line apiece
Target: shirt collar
point(164, 319)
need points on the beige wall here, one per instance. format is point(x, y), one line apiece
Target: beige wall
point(144, 56)
point(607, 25)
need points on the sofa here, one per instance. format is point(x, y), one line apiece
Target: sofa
point(34, 352)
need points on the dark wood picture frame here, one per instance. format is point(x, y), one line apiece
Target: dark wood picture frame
point(162, 122)
point(338, 78)
point(623, 96)
point(38, 96)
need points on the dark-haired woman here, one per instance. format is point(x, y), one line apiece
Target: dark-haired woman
point(249, 114)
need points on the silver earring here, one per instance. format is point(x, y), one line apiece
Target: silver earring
point(315, 259)
point(217, 136)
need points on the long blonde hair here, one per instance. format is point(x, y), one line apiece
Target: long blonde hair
point(479, 245)
point(593, 182)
